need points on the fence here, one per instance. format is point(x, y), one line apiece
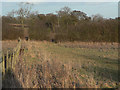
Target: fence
point(10, 58)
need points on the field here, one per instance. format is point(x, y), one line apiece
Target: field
point(8, 45)
point(67, 64)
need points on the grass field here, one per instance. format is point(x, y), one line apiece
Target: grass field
point(8, 45)
point(78, 64)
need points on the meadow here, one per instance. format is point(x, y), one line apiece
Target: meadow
point(66, 64)
point(83, 52)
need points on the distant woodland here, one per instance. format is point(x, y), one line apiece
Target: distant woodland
point(65, 25)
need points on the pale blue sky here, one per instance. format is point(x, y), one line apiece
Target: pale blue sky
point(106, 9)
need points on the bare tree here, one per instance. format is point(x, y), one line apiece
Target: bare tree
point(63, 12)
point(11, 14)
point(97, 17)
point(24, 11)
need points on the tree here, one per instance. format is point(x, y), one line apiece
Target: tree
point(51, 20)
point(64, 16)
point(11, 14)
point(24, 11)
point(97, 17)
point(64, 11)
point(79, 15)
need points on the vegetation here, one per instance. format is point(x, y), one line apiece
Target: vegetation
point(84, 55)
point(9, 32)
point(49, 65)
point(66, 25)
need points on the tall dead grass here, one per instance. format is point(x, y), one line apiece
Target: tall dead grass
point(38, 69)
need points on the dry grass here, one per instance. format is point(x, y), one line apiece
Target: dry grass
point(94, 45)
point(46, 64)
point(8, 45)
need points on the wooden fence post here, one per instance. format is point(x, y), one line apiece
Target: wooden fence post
point(10, 62)
point(7, 61)
point(13, 61)
point(3, 64)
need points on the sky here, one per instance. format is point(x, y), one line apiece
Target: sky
point(106, 9)
point(60, 0)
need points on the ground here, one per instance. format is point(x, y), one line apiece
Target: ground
point(68, 64)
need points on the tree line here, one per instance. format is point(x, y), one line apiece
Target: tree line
point(65, 25)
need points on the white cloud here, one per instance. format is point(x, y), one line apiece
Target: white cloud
point(60, 0)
